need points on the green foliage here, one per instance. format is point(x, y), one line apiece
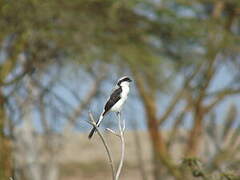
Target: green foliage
point(229, 176)
point(140, 33)
point(194, 165)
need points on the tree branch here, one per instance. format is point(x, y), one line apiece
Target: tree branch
point(178, 96)
point(93, 123)
point(121, 126)
point(78, 110)
point(219, 96)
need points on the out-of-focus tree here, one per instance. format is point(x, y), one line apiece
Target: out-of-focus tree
point(193, 39)
point(37, 34)
point(210, 45)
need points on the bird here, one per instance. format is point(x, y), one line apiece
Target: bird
point(116, 100)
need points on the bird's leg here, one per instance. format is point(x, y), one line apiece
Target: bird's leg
point(123, 122)
point(112, 131)
point(118, 114)
point(119, 120)
point(124, 125)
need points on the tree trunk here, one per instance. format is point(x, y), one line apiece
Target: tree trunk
point(195, 134)
point(156, 140)
point(5, 145)
point(160, 153)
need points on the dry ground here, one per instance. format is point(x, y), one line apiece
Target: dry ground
point(86, 159)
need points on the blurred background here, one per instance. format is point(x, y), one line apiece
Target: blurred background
point(60, 59)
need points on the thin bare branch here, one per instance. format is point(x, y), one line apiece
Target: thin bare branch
point(121, 126)
point(113, 132)
point(93, 123)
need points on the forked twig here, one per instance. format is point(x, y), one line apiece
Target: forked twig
point(113, 132)
point(93, 123)
point(121, 126)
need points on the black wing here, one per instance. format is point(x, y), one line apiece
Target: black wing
point(114, 98)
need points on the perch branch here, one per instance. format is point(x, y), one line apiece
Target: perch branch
point(93, 123)
point(121, 126)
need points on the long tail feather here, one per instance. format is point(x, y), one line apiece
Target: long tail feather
point(94, 129)
point(91, 133)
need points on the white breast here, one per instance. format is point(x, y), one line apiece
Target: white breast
point(118, 106)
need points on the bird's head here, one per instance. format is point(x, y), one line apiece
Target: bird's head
point(124, 81)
